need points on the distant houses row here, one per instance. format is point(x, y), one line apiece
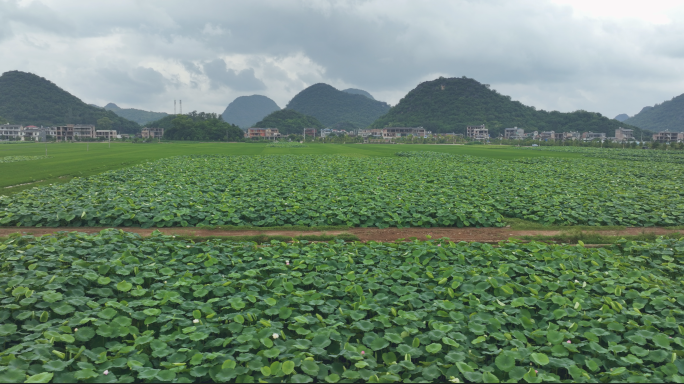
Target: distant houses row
point(69, 132)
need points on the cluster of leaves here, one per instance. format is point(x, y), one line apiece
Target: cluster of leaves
point(115, 307)
point(201, 127)
point(138, 115)
point(331, 106)
point(666, 116)
point(450, 105)
point(14, 159)
point(28, 99)
point(424, 189)
point(674, 157)
point(245, 111)
point(286, 144)
point(289, 122)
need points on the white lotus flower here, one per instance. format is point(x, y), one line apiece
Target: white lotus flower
point(275, 336)
point(195, 321)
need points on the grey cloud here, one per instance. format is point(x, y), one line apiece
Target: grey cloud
point(536, 48)
point(134, 85)
point(220, 75)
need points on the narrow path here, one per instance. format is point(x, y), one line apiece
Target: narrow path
point(364, 234)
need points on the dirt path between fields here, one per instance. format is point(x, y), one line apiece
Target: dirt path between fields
point(364, 234)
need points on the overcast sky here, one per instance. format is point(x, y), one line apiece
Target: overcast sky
point(605, 56)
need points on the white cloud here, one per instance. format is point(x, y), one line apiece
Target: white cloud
point(604, 56)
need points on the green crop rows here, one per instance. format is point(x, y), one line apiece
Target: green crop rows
point(115, 307)
point(676, 157)
point(14, 159)
point(416, 189)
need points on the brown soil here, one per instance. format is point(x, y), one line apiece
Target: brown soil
point(488, 235)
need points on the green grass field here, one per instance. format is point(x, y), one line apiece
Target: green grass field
point(68, 160)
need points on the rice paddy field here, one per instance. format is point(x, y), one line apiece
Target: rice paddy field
point(115, 306)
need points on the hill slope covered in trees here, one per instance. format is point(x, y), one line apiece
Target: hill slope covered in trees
point(138, 115)
point(245, 111)
point(198, 126)
point(355, 91)
point(451, 104)
point(331, 106)
point(29, 99)
point(666, 116)
point(289, 122)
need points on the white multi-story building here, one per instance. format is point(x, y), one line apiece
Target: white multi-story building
point(10, 132)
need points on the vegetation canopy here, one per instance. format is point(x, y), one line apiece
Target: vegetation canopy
point(31, 100)
point(331, 106)
point(202, 127)
point(452, 104)
point(289, 122)
point(667, 116)
point(115, 307)
point(139, 116)
point(245, 111)
point(415, 189)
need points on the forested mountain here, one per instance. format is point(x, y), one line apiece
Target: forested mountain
point(331, 106)
point(451, 104)
point(355, 91)
point(32, 100)
point(199, 127)
point(622, 117)
point(138, 115)
point(245, 111)
point(289, 122)
point(3, 120)
point(666, 116)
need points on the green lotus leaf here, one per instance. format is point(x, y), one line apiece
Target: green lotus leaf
point(332, 378)
point(54, 366)
point(43, 377)
point(7, 329)
point(540, 358)
point(84, 374)
point(434, 348)
point(488, 377)
point(166, 375)
point(84, 334)
point(505, 362)
point(301, 379)
point(310, 367)
point(52, 296)
point(288, 367)
point(124, 286)
point(284, 313)
point(12, 375)
point(63, 309)
point(107, 313)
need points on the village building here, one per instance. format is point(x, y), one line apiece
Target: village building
point(266, 133)
point(477, 132)
point(152, 133)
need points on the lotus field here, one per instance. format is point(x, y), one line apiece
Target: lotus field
point(115, 307)
point(414, 189)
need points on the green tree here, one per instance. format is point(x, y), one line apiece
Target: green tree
point(3, 120)
point(104, 123)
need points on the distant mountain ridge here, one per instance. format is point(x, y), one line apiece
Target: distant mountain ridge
point(355, 91)
point(138, 115)
point(29, 99)
point(667, 116)
point(245, 111)
point(331, 106)
point(452, 104)
point(289, 122)
point(622, 117)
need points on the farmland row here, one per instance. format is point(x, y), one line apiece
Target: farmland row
point(416, 189)
point(117, 307)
